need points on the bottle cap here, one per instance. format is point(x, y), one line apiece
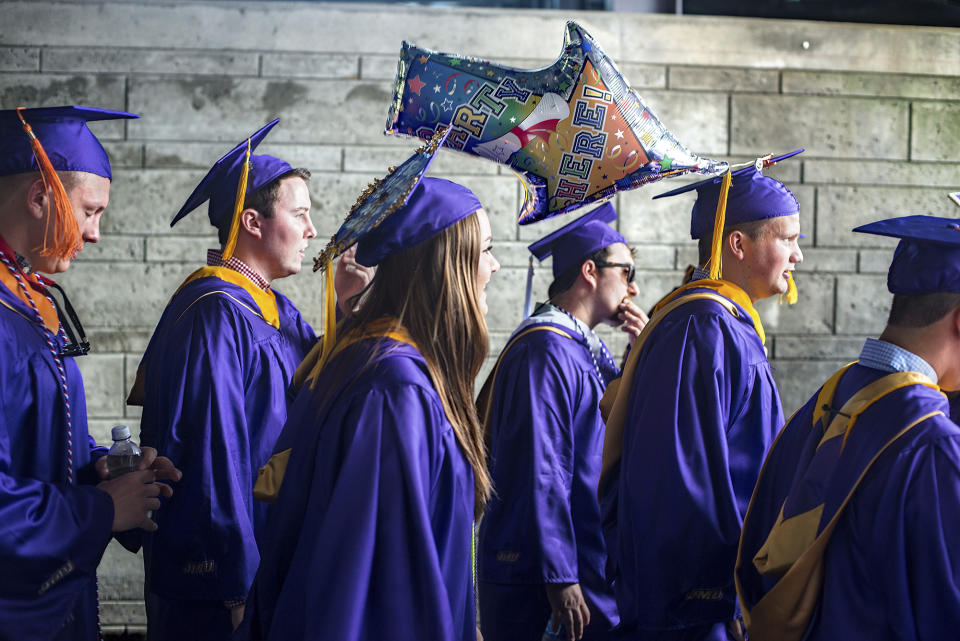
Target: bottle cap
point(119, 432)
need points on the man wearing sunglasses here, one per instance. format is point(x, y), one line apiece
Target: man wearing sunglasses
point(57, 510)
point(541, 556)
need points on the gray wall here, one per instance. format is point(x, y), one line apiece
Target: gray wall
point(876, 107)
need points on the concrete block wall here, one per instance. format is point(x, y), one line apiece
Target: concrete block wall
point(876, 107)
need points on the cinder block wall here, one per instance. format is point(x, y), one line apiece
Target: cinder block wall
point(876, 107)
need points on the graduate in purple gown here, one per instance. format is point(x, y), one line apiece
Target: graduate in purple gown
point(692, 417)
point(56, 511)
point(853, 531)
point(370, 535)
point(540, 547)
point(213, 385)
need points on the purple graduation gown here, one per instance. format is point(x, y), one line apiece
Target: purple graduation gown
point(216, 381)
point(702, 413)
point(52, 532)
point(370, 536)
point(892, 566)
point(543, 524)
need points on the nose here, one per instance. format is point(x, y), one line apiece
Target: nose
point(496, 264)
point(310, 231)
point(91, 231)
point(797, 256)
point(632, 289)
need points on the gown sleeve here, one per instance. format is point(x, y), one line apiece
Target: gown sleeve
point(205, 544)
point(52, 535)
point(676, 486)
point(534, 461)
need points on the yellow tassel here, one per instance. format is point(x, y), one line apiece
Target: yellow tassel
point(791, 295)
point(329, 310)
point(716, 247)
point(65, 236)
point(231, 245)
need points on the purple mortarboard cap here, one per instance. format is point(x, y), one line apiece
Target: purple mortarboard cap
point(752, 196)
point(220, 184)
point(434, 205)
point(927, 260)
point(64, 135)
point(572, 243)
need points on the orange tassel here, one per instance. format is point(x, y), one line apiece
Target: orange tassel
point(231, 245)
point(720, 220)
point(65, 240)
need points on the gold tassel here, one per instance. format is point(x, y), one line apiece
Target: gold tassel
point(66, 232)
point(791, 295)
point(716, 247)
point(231, 245)
point(330, 311)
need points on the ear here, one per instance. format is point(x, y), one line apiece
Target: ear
point(250, 222)
point(589, 273)
point(37, 200)
point(736, 242)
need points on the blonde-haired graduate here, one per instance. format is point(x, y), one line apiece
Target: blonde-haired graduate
point(382, 457)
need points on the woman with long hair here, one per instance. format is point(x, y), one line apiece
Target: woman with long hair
point(371, 533)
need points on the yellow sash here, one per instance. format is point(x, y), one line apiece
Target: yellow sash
point(265, 299)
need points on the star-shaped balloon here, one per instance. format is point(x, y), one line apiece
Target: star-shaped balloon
point(575, 131)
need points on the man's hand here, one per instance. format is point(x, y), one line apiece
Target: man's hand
point(633, 319)
point(134, 495)
point(350, 279)
point(163, 466)
point(236, 615)
point(569, 608)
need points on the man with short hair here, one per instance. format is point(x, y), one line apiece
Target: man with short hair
point(541, 554)
point(213, 384)
point(853, 531)
point(691, 419)
point(57, 512)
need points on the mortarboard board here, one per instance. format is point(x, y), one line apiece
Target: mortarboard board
point(62, 131)
point(393, 214)
point(752, 196)
point(741, 195)
point(573, 242)
point(927, 259)
point(51, 139)
point(231, 179)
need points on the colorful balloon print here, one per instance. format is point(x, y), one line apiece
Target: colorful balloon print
point(575, 131)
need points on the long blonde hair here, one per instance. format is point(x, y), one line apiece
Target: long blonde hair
point(431, 289)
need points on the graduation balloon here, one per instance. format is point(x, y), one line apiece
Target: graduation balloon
point(575, 131)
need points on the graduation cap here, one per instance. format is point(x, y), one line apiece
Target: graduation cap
point(741, 195)
point(393, 214)
point(231, 179)
point(572, 243)
point(927, 259)
point(51, 139)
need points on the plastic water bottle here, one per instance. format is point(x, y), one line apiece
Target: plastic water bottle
point(124, 455)
point(552, 635)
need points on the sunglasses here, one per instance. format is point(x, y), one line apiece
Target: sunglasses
point(631, 270)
